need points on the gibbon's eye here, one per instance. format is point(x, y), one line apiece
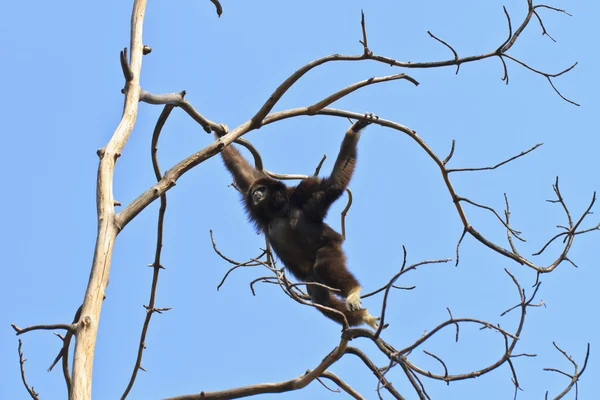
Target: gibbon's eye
point(258, 194)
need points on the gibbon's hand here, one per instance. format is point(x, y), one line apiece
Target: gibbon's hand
point(363, 123)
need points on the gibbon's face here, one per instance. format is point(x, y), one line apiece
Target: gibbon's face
point(259, 194)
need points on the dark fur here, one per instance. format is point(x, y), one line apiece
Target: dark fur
point(292, 219)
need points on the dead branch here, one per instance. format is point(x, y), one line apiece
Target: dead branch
point(50, 327)
point(499, 52)
point(345, 212)
point(576, 371)
point(64, 352)
point(34, 395)
point(380, 377)
point(347, 90)
point(343, 385)
point(521, 154)
point(178, 99)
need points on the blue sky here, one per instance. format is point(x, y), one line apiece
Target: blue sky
point(61, 80)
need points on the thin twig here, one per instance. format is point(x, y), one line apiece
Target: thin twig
point(521, 154)
point(345, 211)
point(156, 265)
point(34, 395)
point(343, 385)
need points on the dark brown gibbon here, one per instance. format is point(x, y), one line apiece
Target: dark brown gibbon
point(292, 220)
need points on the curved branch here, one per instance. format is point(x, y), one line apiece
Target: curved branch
point(258, 119)
point(171, 176)
point(576, 373)
point(345, 212)
point(349, 89)
point(343, 385)
point(178, 99)
point(32, 393)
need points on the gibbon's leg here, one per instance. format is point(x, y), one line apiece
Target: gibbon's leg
point(330, 268)
point(324, 297)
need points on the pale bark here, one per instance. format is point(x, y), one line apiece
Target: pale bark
point(87, 326)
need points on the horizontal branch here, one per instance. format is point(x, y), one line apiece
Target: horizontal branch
point(69, 327)
point(178, 99)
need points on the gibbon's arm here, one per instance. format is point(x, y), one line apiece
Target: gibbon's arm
point(243, 173)
point(345, 163)
point(321, 194)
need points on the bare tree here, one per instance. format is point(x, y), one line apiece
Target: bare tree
point(84, 326)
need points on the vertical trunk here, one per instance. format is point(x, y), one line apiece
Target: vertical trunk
point(87, 326)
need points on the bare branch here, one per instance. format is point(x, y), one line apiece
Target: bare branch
point(343, 385)
point(450, 170)
point(449, 157)
point(451, 49)
point(178, 99)
point(514, 232)
point(318, 169)
point(576, 373)
point(50, 327)
point(380, 377)
point(64, 353)
point(364, 41)
point(345, 211)
point(439, 360)
point(34, 395)
point(349, 89)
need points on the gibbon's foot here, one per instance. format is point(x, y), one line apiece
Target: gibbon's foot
point(370, 320)
point(353, 300)
point(362, 123)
